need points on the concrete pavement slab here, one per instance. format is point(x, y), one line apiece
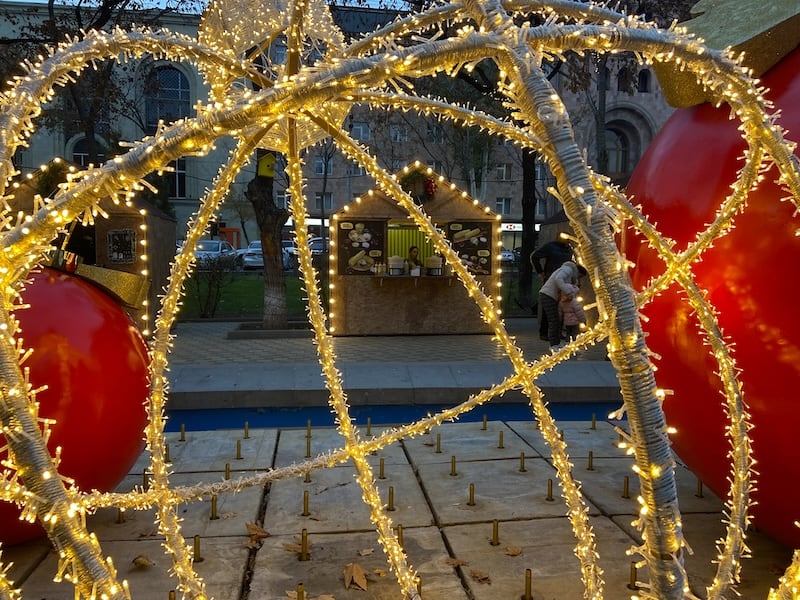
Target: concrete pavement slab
point(295, 447)
point(278, 570)
point(759, 573)
point(335, 502)
point(501, 491)
point(467, 442)
point(546, 547)
point(581, 439)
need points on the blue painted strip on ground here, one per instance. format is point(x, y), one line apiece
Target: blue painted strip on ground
point(232, 418)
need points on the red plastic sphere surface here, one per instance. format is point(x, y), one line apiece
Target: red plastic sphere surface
point(752, 281)
point(93, 360)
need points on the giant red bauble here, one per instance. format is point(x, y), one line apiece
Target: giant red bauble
point(752, 279)
point(93, 360)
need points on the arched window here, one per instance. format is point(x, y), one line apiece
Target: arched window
point(643, 81)
point(80, 153)
point(168, 99)
point(167, 94)
point(617, 146)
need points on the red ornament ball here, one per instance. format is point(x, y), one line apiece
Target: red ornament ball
point(93, 360)
point(750, 277)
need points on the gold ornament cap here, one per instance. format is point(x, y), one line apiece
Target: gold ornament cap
point(765, 31)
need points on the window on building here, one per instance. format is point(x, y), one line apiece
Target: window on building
point(322, 165)
point(617, 146)
point(436, 165)
point(435, 134)
point(167, 97)
point(607, 72)
point(396, 165)
point(503, 206)
point(328, 201)
point(278, 53)
point(504, 171)
point(356, 170)
point(360, 131)
point(80, 153)
point(643, 81)
point(398, 133)
point(177, 179)
point(282, 199)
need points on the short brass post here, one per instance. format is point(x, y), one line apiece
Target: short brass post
point(500, 440)
point(308, 447)
point(483, 427)
point(214, 515)
point(453, 471)
point(419, 586)
point(196, 556)
point(527, 595)
point(120, 515)
point(632, 580)
point(400, 536)
point(369, 425)
point(495, 533)
point(522, 468)
point(171, 595)
point(308, 477)
point(300, 592)
point(166, 453)
point(381, 465)
point(308, 428)
point(238, 449)
point(304, 545)
point(227, 471)
point(590, 465)
point(699, 492)
point(549, 496)
point(390, 503)
point(561, 435)
point(471, 501)
point(183, 433)
point(305, 512)
point(594, 421)
point(626, 487)
point(145, 479)
point(438, 443)
point(246, 430)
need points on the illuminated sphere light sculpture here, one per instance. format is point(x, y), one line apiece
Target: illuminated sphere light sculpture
point(292, 105)
point(742, 274)
point(93, 361)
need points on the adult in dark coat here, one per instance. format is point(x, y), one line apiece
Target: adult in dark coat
point(545, 260)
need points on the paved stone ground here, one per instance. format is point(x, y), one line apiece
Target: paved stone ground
point(447, 540)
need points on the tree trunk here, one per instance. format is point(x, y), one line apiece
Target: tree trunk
point(270, 220)
point(600, 114)
point(525, 270)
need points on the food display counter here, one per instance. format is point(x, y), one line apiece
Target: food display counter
point(375, 291)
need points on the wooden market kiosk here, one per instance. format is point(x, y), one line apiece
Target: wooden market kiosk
point(367, 297)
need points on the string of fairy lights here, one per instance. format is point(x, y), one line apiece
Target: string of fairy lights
point(294, 106)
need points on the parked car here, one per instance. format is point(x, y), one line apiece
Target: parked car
point(253, 257)
point(507, 257)
point(208, 251)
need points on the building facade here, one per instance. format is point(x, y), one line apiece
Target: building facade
point(489, 169)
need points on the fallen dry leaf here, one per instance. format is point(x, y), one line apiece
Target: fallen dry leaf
point(355, 576)
point(366, 551)
point(292, 595)
point(457, 562)
point(297, 546)
point(142, 562)
point(513, 551)
point(256, 533)
point(481, 576)
point(380, 572)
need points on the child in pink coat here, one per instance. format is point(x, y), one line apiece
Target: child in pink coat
point(571, 311)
